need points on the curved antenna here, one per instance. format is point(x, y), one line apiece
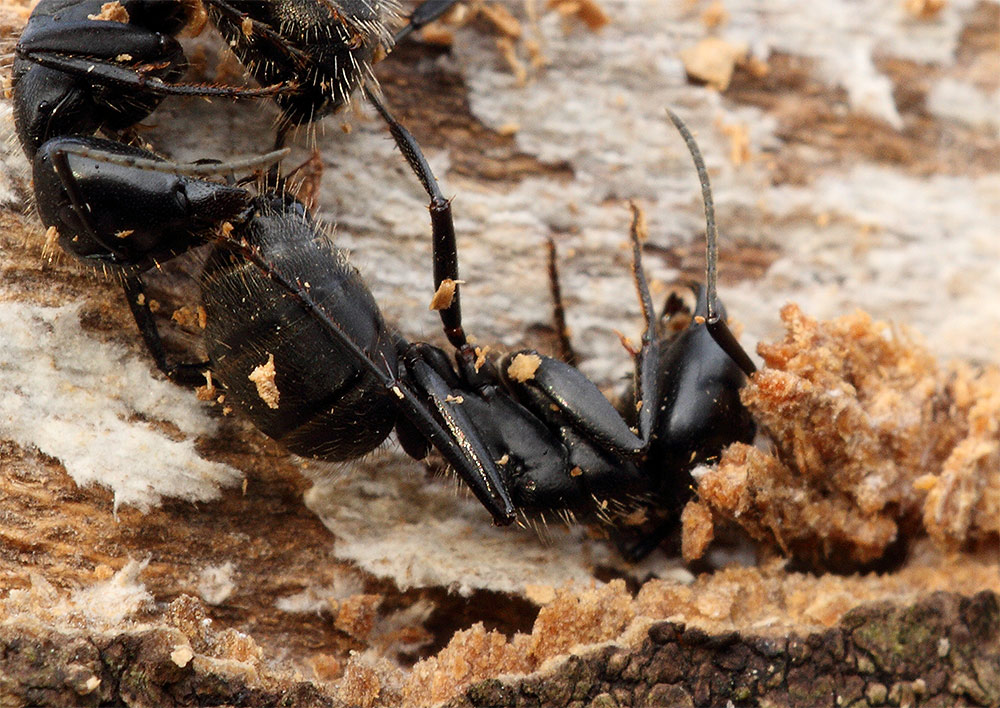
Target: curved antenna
point(717, 326)
point(208, 169)
point(711, 233)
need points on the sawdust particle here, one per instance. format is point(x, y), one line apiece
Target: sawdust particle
point(501, 19)
point(111, 12)
point(182, 655)
point(715, 15)
point(445, 294)
point(523, 367)
point(924, 9)
point(713, 61)
point(263, 379)
point(325, 667)
point(698, 530)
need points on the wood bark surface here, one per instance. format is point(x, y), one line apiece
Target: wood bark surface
point(154, 551)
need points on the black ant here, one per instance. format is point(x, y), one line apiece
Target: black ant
point(86, 65)
point(289, 315)
point(83, 66)
point(300, 346)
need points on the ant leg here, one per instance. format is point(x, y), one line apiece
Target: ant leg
point(450, 431)
point(205, 167)
point(111, 74)
point(556, 386)
point(187, 374)
point(566, 352)
point(60, 163)
point(445, 249)
point(259, 30)
point(647, 389)
point(425, 13)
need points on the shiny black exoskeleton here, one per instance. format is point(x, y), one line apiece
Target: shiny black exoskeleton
point(125, 209)
point(79, 69)
point(93, 202)
point(82, 66)
point(527, 433)
point(273, 289)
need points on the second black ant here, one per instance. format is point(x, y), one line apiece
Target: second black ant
point(86, 65)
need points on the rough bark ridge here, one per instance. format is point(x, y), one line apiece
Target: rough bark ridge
point(940, 651)
point(43, 666)
point(944, 650)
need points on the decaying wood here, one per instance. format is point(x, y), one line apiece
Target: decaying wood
point(940, 651)
point(863, 188)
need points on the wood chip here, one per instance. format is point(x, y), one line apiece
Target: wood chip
point(444, 295)
point(509, 53)
point(190, 317)
point(263, 379)
point(589, 12)
point(182, 655)
point(715, 15)
point(739, 142)
point(111, 12)
point(924, 9)
point(481, 357)
point(712, 61)
point(437, 35)
point(523, 367)
point(500, 17)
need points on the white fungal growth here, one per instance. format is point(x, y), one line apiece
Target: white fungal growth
point(78, 399)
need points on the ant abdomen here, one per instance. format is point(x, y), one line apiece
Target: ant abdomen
point(306, 393)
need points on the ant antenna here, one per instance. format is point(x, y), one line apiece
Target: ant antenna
point(717, 326)
point(711, 233)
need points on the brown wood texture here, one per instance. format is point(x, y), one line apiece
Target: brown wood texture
point(155, 551)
